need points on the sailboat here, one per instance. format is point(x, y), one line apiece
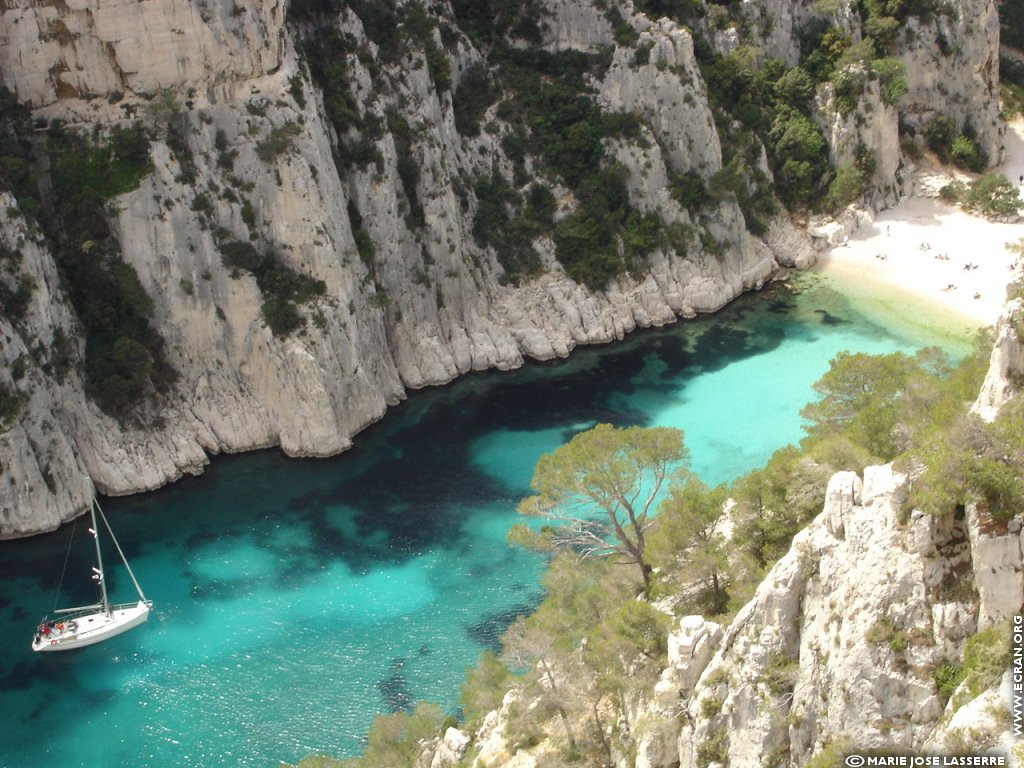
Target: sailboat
point(91, 624)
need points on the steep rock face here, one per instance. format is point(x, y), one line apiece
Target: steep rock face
point(690, 648)
point(838, 643)
point(951, 51)
point(872, 127)
point(39, 440)
point(60, 50)
point(956, 52)
point(998, 546)
point(257, 159)
point(1006, 364)
point(429, 306)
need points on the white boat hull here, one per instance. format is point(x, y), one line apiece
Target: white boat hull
point(90, 628)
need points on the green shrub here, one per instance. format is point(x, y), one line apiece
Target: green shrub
point(395, 740)
point(503, 223)
point(884, 632)
point(688, 190)
point(799, 153)
point(966, 153)
point(16, 153)
point(893, 83)
point(587, 248)
point(780, 673)
point(831, 755)
point(882, 30)
point(11, 403)
point(1011, 24)
point(325, 51)
point(993, 195)
point(714, 749)
point(277, 142)
point(240, 255)
point(484, 687)
point(1011, 86)
point(475, 93)
point(440, 68)
point(14, 301)
point(642, 54)
point(710, 706)
point(846, 187)
point(796, 88)
point(939, 133)
point(986, 658)
point(953, 192)
point(408, 168)
point(947, 676)
point(282, 287)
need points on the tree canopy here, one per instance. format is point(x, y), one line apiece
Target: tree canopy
point(689, 543)
point(599, 489)
point(873, 399)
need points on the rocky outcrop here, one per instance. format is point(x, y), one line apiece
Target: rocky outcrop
point(955, 52)
point(841, 637)
point(57, 50)
point(446, 752)
point(690, 648)
point(871, 129)
point(1006, 364)
point(998, 546)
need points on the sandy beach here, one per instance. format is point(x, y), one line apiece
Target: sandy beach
point(928, 262)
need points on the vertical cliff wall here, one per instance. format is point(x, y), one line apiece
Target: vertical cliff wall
point(336, 142)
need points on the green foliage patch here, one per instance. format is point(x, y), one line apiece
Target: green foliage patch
point(11, 403)
point(17, 173)
point(770, 102)
point(986, 657)
point(277, 142)
point(951, 146)
point(509, 225)
point(550, 104)
point(475, 93)
point(282, 287)
point(1011, 23)
point(124, 356)
point(993, 195)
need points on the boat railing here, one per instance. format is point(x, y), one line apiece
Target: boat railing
point(69, 614)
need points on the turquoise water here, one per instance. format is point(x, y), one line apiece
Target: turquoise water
point(296, 599)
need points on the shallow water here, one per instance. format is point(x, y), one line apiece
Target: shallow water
point(297, 599)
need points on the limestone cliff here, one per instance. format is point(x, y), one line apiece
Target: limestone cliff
point(254, 143)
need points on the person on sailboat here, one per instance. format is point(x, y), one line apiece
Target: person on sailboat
point(101, 620)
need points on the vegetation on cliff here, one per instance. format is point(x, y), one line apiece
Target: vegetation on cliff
point(124, 357)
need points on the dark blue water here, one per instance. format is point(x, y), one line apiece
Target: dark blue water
point(297, 599)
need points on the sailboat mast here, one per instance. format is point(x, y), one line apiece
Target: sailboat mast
point(124, 559)
point(98, 570)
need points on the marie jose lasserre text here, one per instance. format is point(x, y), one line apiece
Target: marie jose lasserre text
point(926, 761)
